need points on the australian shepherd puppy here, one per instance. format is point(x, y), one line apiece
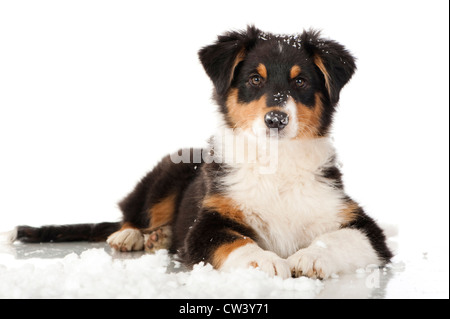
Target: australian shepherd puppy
point(266, 192)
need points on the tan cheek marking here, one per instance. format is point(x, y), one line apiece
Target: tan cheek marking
point(221, 253)
point(295, 71)
point(162, 212)
point(261, 69)
point(243, 115)
point(309, 119)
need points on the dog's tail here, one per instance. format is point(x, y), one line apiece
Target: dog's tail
point(63, 233)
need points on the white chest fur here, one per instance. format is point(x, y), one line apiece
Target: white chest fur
point(291, 206)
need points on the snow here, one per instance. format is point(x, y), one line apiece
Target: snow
point(399, 172)
point(292, 40)
point(95, 273)
point(94, 270)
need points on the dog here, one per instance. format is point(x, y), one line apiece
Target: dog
point(282, 209)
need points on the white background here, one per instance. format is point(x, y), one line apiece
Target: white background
point(94, 93)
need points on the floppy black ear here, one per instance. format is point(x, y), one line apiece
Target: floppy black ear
point(221, 58)
point(334, 61)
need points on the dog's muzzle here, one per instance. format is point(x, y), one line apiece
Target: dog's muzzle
point(276, 119)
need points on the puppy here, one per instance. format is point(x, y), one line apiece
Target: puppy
point(266, 192)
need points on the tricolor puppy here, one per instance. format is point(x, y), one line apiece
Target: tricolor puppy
point(281, 207)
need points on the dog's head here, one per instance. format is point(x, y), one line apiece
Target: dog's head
point(285, 82)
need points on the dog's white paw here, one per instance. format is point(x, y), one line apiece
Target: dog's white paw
point(252, 255)
point(341, 251)
point(129, 239)
point(311, 262)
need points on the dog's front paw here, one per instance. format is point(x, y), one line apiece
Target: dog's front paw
point(126, 240)
point(310, 262)
point(251, 255)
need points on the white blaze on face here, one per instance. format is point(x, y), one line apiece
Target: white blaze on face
point(291, 130)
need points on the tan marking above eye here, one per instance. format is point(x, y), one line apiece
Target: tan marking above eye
point(261, 69)
point(295, 71)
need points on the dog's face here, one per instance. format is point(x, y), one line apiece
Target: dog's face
point(286, 83)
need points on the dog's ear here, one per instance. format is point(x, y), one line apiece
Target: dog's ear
point(334, 61)
point(222, 57)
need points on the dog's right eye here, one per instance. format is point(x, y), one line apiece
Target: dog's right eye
point(255, 80)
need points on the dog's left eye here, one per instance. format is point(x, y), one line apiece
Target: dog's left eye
point(299, 82)
point(255, 80)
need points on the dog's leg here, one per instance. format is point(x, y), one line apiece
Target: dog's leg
point(245, 254)
point(221, 237)
point(152, 204)
point(344, 250)
point(359, 243)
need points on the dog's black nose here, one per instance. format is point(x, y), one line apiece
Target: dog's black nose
point(276, 119)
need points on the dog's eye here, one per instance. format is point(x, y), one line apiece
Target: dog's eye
point(299, 82)
point(255, 80)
